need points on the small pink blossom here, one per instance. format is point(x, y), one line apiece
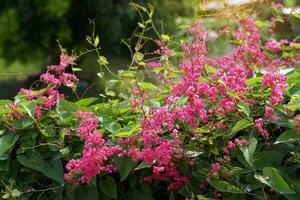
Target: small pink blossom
point(50, 79)
point(66, 60)
point(259, 124)
point(215, 167)
point(273, 45)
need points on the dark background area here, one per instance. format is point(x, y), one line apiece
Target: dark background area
point(30, 29)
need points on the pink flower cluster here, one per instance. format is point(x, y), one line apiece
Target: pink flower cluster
point(54, 77)
point(164, 49)
point(205, 92)
point(47, 98)
point(96, 154)
point(259, 124)
point(56, 74)
point(233, 144)
point(138, 98)
point(215, 167)
point(278, 83)
point(273, 45)
point(225, 87)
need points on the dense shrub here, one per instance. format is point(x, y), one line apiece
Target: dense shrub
point(222, 128)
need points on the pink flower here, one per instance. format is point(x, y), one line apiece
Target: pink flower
point(38, 112)
point(215, 167)
point(273, 45)
point(216, 194)
point(50, 79)
point(259, 124)
point(56, 68)
point(244, 142)
point(163, 48)
point(154, 65)
point(28, 92)
point(66, 60)
point(231, 145)
point(158, 170)
point(88, 123)
point(67, 79)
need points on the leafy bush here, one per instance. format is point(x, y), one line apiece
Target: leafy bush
point(203, 128)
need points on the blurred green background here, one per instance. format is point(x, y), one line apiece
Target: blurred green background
point(30, 29)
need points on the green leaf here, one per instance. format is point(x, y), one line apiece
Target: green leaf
point(203, 129)
point(5, 196)
point(4, 102)
point(261, 179)
point(288, 136)
point(200, 197)
point(110, 93)
point(7, 141)
point(240, 125)
point(22, 123)
point(143, 165)
point(4, 165)
point(233, 94)
point(109, 187)
point(127, 131)
point(96, 42)
point(295, 184)
point(275, 181)
point(32, 160)
point(141, 25)
point(248, 150)
point(155, 104)
point(260, 23)
point(115, 83)
point(113, 126)
point(295, 89)
point(294, 78)
point(138, 56)
point(290, 3)
point(268, 159)
point(125, 165)
point(210, 68)
point(29, 107)
point(143, 193)
point(102, 60)
point(52, 169)
point(76, 69)
point(86, 101)
point(193, 154)
point(147, 86)
point(244, 107)
point(253, 81)
point(64, 105)
point(226, 187)
point(127, 74)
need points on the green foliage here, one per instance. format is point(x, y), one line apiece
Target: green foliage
point(34, 151)
point(109, 187)
point(226, 187)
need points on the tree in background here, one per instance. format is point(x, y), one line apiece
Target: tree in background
point(29, 28)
